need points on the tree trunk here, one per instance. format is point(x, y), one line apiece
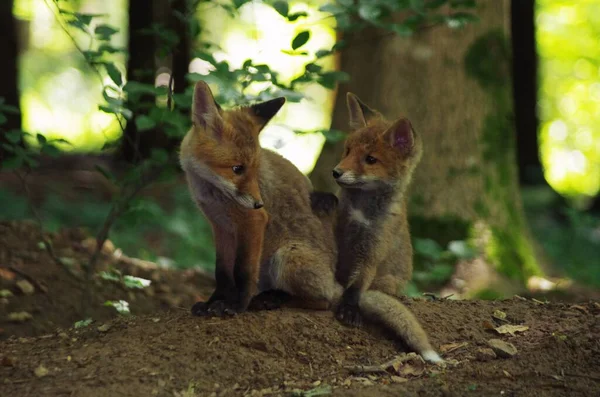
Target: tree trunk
point(8, 70)
point(525, 85)
point(140, 68)
point(455, 87)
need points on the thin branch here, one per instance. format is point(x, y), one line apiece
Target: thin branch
point(47, 243)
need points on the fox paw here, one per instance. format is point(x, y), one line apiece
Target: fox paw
point(268, 300)
point(349, 315)
point(217, 308)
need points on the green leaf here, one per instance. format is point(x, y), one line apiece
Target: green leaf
point(110, 276)
point(41, 139)
point(144, 123)
point(323, 53)
point(114, 74)
point(51, 150)
point(105, 31)
point(83, 323)
point(330, 79)
point(403, 30)
point(121, 306)
point(282, 8)
point(133, 87)
point(300, 39)
point(334, 135)
point(313, 67)
point(460, 19)
point(159, 155)
point(461, 249)
point(12, 163)
point(293, 17)
point(369, 12)
point(428, 248)
point(13, 136)
point(135, 282)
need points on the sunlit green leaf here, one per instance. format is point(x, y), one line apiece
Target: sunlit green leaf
point(293, 17)
point(83, 323)
point(41, 139)
point(105, 31)
point(114, 74)
point(300, 39)
point(282, 8)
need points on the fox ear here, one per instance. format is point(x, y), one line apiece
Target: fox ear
point(360, 114)
point(265, 111)
point(401, 136)
point(205, 111)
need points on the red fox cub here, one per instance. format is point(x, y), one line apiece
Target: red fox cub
point(373, 239)
point(267, 236)
point(258, 204)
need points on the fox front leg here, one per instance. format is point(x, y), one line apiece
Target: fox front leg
point(348, 311)
point(250, 238)
point(225, 289)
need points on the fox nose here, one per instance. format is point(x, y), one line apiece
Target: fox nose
point(258, 204)
point(337, 173)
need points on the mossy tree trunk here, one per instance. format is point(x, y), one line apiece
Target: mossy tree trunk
point(455, 87)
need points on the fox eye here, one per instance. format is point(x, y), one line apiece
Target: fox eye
point(370, 160)
point(238, 169)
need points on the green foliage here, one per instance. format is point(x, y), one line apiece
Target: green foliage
point(83, 323)
point(121, 306)
point(434, 265)
point(126, 280)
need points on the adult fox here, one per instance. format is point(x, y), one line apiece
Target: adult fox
point(266, 234)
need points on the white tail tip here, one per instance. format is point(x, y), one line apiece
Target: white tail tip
point(431, 357)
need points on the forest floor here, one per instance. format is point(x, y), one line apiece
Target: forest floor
point(552, 349)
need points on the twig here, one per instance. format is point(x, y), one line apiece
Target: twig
point(26, 276)
point(381, 368)
point(38, 219)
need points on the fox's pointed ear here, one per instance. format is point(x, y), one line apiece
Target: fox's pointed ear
point(205, 111)
point(360, 114)
point(265, 111)
point(401, 136)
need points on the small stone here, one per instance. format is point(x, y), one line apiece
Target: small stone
point(40, 371)
point(26, 287)
point(316, 383)
point(398, 379)
point(155, 320)
point(502, 349)
point(63, 335)
point(485, 354)
point(19, 317)
point(104, 327)
point(8, 361)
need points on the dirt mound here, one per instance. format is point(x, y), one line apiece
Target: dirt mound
point(275, 352)
point(163, 351)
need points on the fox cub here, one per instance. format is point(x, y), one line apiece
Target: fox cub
point(258, 204)
point(374, 246)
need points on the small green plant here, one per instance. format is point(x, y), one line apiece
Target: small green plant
point(128, 281)
point(434, 265)
point(83, 323)
point(121, 306)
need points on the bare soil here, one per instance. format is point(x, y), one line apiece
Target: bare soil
point(161, 350)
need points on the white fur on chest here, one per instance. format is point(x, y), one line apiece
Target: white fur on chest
point(211, 200)
point(356, 215)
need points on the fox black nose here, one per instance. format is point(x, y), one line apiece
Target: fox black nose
point(337, 173)
point(258, 204)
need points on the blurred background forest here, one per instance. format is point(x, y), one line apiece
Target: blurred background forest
point(96, 97)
